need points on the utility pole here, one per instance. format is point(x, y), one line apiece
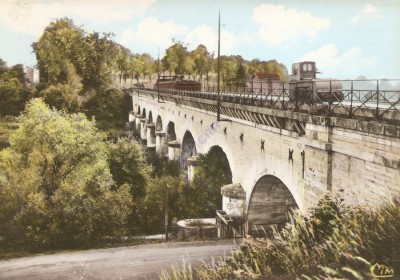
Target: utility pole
point(166, 215)
point(158, 76)
point(218, 67)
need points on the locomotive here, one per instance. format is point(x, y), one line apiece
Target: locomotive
point(177, 83)
point(305, 87)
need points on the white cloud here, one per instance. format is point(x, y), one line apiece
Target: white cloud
point(278, 25)
point(151, 31)
point(205, 35)
point(350, 64)
point(33, 16)
point(369, 12)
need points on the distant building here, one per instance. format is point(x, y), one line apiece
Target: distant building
point(32, 74)
point(264, 81)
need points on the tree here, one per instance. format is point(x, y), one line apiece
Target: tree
point(13, 90)
point(60, 56)
point(175, 58)
point(202, 61)
point(55, 182)
point(128, 166)
point(204, 196)
point(98, 60)
point(60, 47)
point(122, 62)
point(3, 66)
point(147, 65)
point(241, 74)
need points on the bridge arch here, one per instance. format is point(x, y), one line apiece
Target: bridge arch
point(144, 113)
point(171, 134)
point(159, 124)
point(150, 118)
point(138, 109)
point(223, 161)
point(188, 146)
point(269, 204)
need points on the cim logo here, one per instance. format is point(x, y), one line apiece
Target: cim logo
point(381, 271)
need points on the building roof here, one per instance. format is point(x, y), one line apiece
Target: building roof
point(265, 76)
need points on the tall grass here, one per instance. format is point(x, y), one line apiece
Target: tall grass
point(332, 242)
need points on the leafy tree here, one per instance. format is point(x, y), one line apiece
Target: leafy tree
point(241, 74)
point(122, 62)
point(60, 47)
point(98, 60)
point(202, 61)
point(59, 54)
point(128, 166)
point(13, 90)
point(162, 201)
point(175, 58)
point(147, 65)
point(110, 109)
point(3, 66)
point(55, 182)
point(211, 173)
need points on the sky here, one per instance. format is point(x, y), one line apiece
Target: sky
point(346, 38)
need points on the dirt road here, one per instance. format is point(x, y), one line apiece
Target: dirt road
point(135, 262)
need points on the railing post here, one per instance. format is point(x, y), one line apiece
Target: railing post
point(351, 99)
point(377, 100)
point(283, 95)
point(330, 95)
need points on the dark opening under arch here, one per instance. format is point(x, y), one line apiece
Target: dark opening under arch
point(171, 135)
point(269, 204)
point(159, 125)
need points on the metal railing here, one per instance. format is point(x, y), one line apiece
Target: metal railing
point(378, 99)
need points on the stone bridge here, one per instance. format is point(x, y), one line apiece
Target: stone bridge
point(279, 159)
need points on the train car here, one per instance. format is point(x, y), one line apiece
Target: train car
point(177, 83)
point(305, 87)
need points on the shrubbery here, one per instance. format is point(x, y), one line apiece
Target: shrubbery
point(56, 187)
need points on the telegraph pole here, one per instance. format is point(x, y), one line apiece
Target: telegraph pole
point(218, 67)
point(158, 76)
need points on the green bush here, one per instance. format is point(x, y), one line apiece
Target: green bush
point(56, 188)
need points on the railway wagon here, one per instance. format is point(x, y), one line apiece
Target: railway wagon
point(305, 87)
point(177, 83)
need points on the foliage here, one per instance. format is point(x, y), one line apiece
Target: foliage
point(333, 242)
point(60, 48)
point(110, 108)
point(163, 195)
point(202, 61)
point(14, 92)
point(76, 69)
point(55, 182)
point(128, 166)
point(211, 173)
point(176, 58)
